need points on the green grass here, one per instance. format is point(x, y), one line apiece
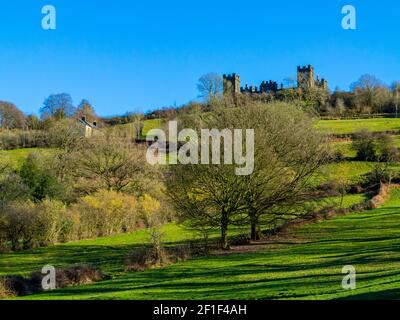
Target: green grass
point(352, 126)
point(345, 147)
point(107, 253)
point(150, 124)
point(352, 171)
point(348, 201)
point(14, 158)
point(310, 270)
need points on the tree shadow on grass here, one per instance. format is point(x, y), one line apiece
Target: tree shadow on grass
point(205, 277)
point(300, 271)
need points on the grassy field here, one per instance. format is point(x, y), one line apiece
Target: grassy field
point(14, 158)
point(107, 253)
point(345, 147)
point(306, 265)
point(353, 171)
point(149, 125)
point(326, 126)
point(352, 126)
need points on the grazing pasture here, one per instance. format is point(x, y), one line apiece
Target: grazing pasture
point(352, 126)
point(306, 264)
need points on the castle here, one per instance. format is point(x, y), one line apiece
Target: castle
point(305, 80)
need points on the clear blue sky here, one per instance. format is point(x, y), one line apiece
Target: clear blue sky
point(139, 55)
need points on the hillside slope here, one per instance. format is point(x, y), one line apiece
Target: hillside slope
point(305, 265)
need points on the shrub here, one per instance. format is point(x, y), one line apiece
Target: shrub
point(241, 240)
point(365, 146)
point(49, 222)
point(15, 139)
point(106, 213)
point(338, 156)
point(25, 225)
point(5, 291)
point(65, 277)
point(381, 173)
point(69, 276)
point(149, 208)
point(386, 149)
point(11, 187)
point(182, 252)
point(64, 134)
point(371, 147)
point(143, 258)
point(139, 259)
point(41, 182)
point(68, 226)
point(20, 224)
point(78, 275)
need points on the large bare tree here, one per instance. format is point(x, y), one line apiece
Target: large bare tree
point(210, 86)
point(288, 152)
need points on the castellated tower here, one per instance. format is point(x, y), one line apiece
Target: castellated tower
point(231, 84)
point(305, 77)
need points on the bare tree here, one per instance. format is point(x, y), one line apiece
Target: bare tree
point(110, 163)
point(366, 82)
point(210, 86)
point(10, 116)
point(207, 196)
point(370, 93)
point(288, 151)
point(138, 124)
point(395, 87)
point(57, 106)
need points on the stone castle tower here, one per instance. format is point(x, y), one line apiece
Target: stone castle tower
point(231, 84)
point(306, 78)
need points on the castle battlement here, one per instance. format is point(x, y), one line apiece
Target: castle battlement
point(231, 76)
point(308, 68)
point(305, 80)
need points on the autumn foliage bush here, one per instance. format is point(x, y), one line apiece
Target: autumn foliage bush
point(28, 224)
point(105, 213)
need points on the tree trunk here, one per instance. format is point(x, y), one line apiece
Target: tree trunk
point(224, 231)
point(255, 229)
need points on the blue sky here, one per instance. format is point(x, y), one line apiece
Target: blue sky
point(129, 55)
